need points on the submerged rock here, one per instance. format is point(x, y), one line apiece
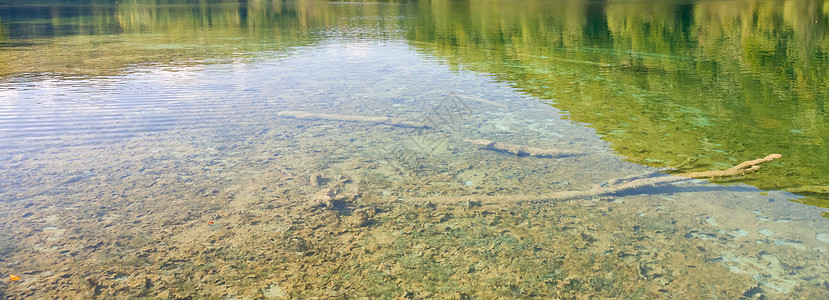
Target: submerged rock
point(273, 291)
point(361, 217)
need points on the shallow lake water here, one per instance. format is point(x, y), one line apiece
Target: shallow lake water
point(451, 149)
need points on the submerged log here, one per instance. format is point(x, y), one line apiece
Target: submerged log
point(348, 118)
point(521, 150)
point(743, 168)
point(614, 187)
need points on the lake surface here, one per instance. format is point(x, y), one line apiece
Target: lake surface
point(441, 149)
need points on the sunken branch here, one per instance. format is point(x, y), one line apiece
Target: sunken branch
point(521, 150)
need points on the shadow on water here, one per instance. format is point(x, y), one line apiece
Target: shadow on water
point(675, 189)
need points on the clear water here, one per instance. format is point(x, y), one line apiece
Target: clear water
point(158, 149)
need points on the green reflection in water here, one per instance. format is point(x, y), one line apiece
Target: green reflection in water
point(702, 85)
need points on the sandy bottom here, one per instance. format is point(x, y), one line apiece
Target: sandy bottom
point(161, 225)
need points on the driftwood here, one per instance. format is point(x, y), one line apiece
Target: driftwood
point(348, 118)
point(596, 191)
point(744, 168)
point(521, 150)
point(613, 187)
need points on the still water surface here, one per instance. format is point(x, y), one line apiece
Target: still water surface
point(268, 149)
